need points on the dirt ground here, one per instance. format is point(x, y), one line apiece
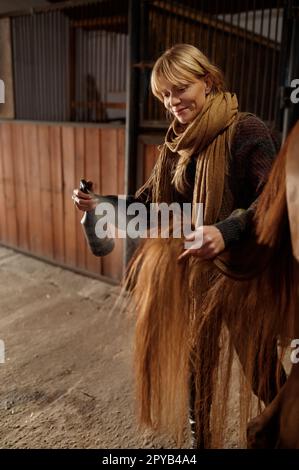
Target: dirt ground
point(67, 377)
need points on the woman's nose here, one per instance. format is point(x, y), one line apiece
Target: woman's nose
point(174, 100)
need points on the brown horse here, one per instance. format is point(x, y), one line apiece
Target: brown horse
point(184, 309)
point(278, 425)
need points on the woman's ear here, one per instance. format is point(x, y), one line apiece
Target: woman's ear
point(208, 84)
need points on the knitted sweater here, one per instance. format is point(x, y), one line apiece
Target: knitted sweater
point(252, 153)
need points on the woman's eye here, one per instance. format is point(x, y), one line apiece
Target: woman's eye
point(182, 88)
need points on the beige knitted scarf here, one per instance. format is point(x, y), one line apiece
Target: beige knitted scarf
point(206, 139)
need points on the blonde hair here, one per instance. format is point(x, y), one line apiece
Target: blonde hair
point(182, 64)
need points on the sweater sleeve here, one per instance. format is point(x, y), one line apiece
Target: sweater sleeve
point(253, 152)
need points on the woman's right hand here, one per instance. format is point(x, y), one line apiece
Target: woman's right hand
point(83, 201)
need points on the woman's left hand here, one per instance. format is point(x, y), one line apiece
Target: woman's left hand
point(212, 243)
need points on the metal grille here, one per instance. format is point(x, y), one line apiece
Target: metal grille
point(242, 38)
point(41, 66)
point(71, 63)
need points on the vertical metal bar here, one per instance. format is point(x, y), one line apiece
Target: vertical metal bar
point(214, 36)
point(97, 99)
point(248, 98)
point(265, 77)
point(94, 66)
point(36, 45)
point(122, 39)
point(99, 64)
point(25, 61)
point(132, 118)
point(106, 68)
point(112, 57)
point(49, 65)
point(114, 63)
point(196, 33)
point(24, 51)
point(244, 64)
point(62, 84)
point(231, 51)
point(291, 111)
point(258, 96)
point(59, 48)
point(224, 38)
point(71, 71)
point(53, 68)
point(18, 66)
point(272, 54)
point(108, 74)
point(117, 62)
point(93, 109)
point(59, 83)
point(42, 65)
point(88, 71)
point(78, 73)
point(42, 61)
point(28, 79)
point(34, 96)
point(85, 69)
point(274, 75)
point(236, 79)
point(55, 65)
point(61, 42)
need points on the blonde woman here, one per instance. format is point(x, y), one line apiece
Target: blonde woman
point(214, 155)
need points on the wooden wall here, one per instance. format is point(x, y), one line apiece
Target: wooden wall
point(147, 155)
point(40, 164)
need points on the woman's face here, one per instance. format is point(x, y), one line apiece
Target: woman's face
point(185, 102)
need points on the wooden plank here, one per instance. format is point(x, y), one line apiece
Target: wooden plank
point(110, 184)
point(46, 190)
point(57, 192)
point(151, 153)
point(9, 184)
point(3, 212)
point(68, 165)
point(33, 184)
point(121, 160)
point(81, 247)
point(117, 256)
point(109, 169)
point(92, 166)
point(22, 208)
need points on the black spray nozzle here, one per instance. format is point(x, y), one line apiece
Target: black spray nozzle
point(85, 186)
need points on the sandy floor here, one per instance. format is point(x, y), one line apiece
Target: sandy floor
point(67, 377)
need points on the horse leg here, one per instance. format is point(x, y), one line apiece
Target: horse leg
point(262, 431)
point(288, 437)
point(278, 425)
point(268, 391)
